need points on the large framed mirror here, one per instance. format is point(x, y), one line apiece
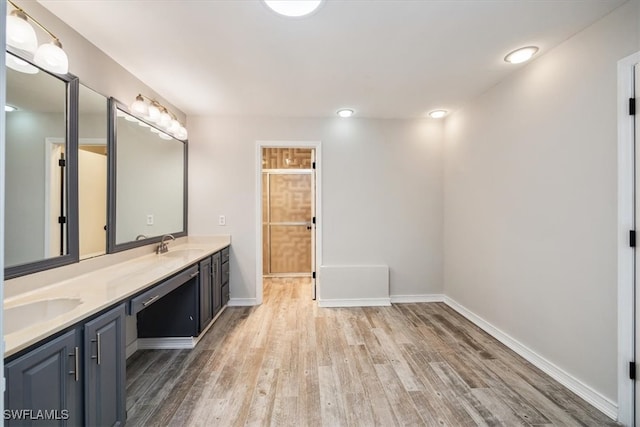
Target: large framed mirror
point(41, 186)
point(147, 182)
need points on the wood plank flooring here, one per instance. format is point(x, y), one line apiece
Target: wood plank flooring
point(290, 363)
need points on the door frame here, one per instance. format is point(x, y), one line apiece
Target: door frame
point(316, 145)
point(626, 222)
point(51, 148)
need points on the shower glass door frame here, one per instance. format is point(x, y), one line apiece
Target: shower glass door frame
point(268, 223)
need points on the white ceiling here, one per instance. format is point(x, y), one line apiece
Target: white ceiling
point(384, 58)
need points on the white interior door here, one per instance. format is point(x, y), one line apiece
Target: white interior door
point(637, 252)
point(313, 226)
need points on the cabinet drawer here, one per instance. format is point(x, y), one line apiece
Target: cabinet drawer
point(225, 255)
point(225, 273)
point(152, 295)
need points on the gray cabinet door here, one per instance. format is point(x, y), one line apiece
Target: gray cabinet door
point(47, 379)
point(216, 283)
point(105, 366)
point(206, 313)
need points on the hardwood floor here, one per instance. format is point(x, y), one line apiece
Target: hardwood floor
point(288, 362)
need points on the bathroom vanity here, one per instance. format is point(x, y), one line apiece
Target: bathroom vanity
point(84, 289)
point(65, 342)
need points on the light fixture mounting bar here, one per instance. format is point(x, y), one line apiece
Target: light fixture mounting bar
point(21, 10)
point(159, 105)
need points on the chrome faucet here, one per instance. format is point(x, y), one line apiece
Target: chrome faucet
point(164, 247)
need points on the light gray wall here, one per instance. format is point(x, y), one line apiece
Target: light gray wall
point(530, 202)
point(92, 66)
point(381, 193)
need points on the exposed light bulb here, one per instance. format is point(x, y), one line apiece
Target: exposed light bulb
point(9, 108)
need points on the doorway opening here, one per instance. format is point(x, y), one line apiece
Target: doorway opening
point(92, 197)
point(288, 199)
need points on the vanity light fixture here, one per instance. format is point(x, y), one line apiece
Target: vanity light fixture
point(154, 112)
point(521, 55)
point(438, 114)
point(345, 112)
point(21, 35)
point(9, 108)
point(293, 8)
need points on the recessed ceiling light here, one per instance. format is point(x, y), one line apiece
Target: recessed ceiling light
point(294, 8)
point(438, 114)
point(345, 112)
point(521, 55)
point(9, 108)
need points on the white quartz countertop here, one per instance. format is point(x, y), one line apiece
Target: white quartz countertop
point(94, 291)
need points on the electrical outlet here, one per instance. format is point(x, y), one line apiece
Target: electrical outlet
point(149, 219)
point(222, 220)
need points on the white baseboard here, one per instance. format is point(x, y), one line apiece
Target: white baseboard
point(602, 403)
point(406, 299)
point(167, 343)
point(355, 302)
point(131, 348)
point(242, 302)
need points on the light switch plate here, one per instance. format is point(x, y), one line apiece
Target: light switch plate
point(149, 219)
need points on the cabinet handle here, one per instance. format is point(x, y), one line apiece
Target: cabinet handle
point(76, 372)
point(150, 300)
point(97, 341)
point(194, 274)
point(99, 351)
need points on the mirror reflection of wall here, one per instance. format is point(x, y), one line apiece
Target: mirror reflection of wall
point(149, 181)
point(92, 172)
point(35, 195)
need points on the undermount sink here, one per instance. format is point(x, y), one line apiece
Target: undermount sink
point(183, 253)
point(22, 316)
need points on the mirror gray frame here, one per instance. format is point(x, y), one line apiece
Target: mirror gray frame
point(72, 256)
point(112, 148)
